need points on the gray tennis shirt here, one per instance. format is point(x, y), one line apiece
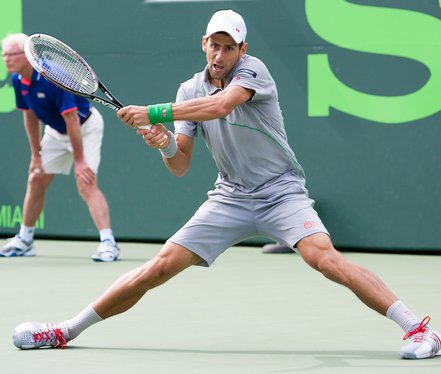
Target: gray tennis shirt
point(250, 145)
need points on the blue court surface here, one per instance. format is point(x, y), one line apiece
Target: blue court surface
point(249, 313)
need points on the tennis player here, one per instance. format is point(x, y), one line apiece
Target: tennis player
point(73, 135)
point(260, 190)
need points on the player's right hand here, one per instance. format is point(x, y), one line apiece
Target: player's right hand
point(134, 116)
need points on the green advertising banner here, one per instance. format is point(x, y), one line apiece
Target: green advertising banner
point(397, 32)
point(359, 84)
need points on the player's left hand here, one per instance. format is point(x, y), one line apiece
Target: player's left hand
point(157, 137)
point(134, 116)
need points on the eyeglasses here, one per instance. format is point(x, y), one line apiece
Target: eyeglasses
point(4, 55)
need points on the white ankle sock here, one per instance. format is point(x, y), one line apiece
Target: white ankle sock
point(107, 234)
point(27, 233)
point(399, 313)
point(81, 322)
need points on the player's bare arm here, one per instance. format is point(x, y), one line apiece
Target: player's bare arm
point(200, 109)
point(179, 164)
point(211, 107)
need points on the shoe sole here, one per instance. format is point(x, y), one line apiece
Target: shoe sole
point(97, 259)
point(412, 356)
point(29, 253)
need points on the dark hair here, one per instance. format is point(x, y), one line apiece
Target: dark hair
point(225, 33)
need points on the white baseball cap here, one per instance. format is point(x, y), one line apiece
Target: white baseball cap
point(230, 22)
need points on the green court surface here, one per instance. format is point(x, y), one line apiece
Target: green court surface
point(249, 313)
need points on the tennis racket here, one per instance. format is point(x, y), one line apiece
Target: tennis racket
point(65, 68)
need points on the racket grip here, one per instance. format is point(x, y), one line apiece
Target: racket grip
point(146, 127)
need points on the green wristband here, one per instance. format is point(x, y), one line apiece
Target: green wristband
point(160, 113)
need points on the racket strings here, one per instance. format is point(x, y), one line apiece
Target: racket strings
point(63, 65)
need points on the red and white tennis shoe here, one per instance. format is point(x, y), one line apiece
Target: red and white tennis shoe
point(32, 335)
point(424, 342)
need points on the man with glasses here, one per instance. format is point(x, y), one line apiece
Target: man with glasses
point(73, 134)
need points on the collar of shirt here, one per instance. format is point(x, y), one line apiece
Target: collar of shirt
point(35, 77)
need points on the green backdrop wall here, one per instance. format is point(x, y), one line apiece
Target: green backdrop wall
point(359, 84)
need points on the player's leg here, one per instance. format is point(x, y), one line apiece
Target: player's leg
point(293, 221)
point(128, 289)
point(121, 296)
point(289, 217)
point(318, 251)
point(218, 224)
point(22, 244)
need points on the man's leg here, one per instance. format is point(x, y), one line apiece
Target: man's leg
point(96, 202)
point(129, 289)
point(108, 249)
point(22, 243)
point(35, 195)
point(123, 294)
point(318, 251)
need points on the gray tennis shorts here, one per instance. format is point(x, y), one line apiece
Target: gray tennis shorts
point(281, 211)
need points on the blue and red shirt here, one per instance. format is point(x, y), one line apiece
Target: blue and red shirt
point(48, 101)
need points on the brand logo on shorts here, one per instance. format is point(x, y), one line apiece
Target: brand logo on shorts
point(310, 224)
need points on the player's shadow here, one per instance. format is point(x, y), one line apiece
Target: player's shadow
point(305, 360)
point(316, 359)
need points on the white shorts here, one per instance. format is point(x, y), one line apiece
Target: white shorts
point(282, 212)
point(56, 149)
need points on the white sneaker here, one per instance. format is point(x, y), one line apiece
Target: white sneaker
point(276, 248)
point(16, 247)
point(107, 251)
point(31, 335)
point(424, 342)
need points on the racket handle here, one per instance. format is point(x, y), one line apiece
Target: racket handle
point(146, 127)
